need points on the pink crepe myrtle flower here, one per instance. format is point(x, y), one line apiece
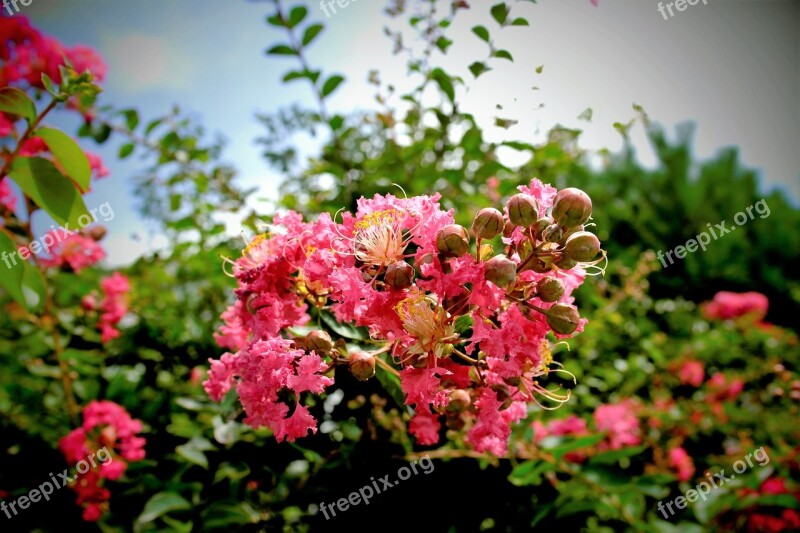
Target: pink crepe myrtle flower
point(425, 427)
point(26, 54)
point(571, 426)
point(620, 423)
point(730, 305)
point(7, 198)
point(97, 166)
point(75, 251)
point(682, 463)
point(264, 370)
point(692, 373)
point(107, 427)
point(114, 305)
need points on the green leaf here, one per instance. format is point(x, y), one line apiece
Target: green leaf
point(296, 15)
point(34, 288)
point(16, 102)
point(281, 50)
point(161, 504)
point(192, 454)
point(444, 82)
point(613, 456)
point(505, 54)
point(131, 118)
point(500, 12)
point(529, 473)
point(336, 122)
point(12, 271)
point(331, 84)
point(443, 43)
point(481, 32)
point(519, 21)
point(346, 331)
point(311, 32)
point(478, 68)
point(390, 382)
point(68, 154)
point(44, 184)
point(539, 69)
point(125, 150)
point(275, 20)
point(50, 86)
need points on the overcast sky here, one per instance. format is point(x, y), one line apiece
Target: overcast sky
point(732, 67)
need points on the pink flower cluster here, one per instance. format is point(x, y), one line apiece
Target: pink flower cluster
point(7, 198)
point(77, 251)
point(105, 425)
point(729, 305)
point(618, 422)
point(26, 54)
point(683, 464)
point(403, 270)
point(113, 306)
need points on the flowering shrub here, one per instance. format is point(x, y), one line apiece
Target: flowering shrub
point(368, 330)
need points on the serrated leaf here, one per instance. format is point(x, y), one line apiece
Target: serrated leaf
point(16, 102)
point(311, 32)
point(44, 184)
point(296, 15)
point(68, 154)
point(481, 32)
point(331, 84)
point(500, 12)
point(281, 50)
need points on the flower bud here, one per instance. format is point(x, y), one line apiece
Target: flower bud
point(550, 289)
point(522, 210)
point(399, 275)
point(452, 240)
point(582, 246)
point(96, 232)
point(552, 233)
point(566, 263)
point(362, 365)
point(319, 341)
point(563, 318)
point(459, 401)
point(571, 207)
point(501, 271)
point(508, 229)
point(539, 226)
point(488, 223)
